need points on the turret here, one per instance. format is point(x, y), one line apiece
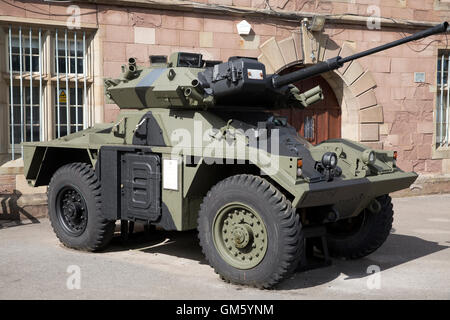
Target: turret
point(185, 80)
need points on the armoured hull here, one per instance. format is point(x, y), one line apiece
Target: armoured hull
point(208, 145)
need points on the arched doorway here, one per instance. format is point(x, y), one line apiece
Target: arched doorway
point(352, 86)
point(320, 121)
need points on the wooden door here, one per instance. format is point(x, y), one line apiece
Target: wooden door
point(320, 121)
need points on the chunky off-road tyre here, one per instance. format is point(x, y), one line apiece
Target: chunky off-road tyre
point(249, 232)
point(74, 205)
point(360, 236)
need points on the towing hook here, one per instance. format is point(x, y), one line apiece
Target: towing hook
point(374, 206)
point(333, 215)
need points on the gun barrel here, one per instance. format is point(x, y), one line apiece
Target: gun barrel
point(337, 62)
point(440, 28)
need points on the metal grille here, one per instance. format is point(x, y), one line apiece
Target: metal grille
point(25, 70)
point(70, 65)
point(30, 76)
point(71, 121)
point(443, 99)
point(25, 115)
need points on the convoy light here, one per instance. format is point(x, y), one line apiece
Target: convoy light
point(329, 160)
point(369, 157)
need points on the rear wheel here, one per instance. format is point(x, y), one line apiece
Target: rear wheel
point(359, 236)
point(249, 232)
point(74, 205)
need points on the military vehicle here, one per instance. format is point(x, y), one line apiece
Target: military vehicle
point(197, 146)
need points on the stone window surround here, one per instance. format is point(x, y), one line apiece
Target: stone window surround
point(361, 114)
point(94, 81)
point(352, 84)
point(441, 5)
point(438, 152)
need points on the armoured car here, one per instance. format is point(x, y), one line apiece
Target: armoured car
point(198, 145)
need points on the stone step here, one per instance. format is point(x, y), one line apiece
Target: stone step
point(7, 183)
point(18, 206)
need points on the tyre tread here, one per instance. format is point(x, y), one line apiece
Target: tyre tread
point(291, 228)
point(104, 229)
point(377, 235)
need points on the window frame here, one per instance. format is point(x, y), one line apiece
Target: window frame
point(440, 152)
point(49, 79)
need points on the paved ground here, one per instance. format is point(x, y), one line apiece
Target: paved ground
point(414, 263)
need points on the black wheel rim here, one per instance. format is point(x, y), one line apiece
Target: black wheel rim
point(72, 210)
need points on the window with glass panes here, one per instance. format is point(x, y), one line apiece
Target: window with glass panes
point(74, 54)
point(25, 54)
point(75, 115)
point(309, 128)
point(40, 62)
point(69, 61)
point(26, 120)
point(443, 100)
point(25, 111)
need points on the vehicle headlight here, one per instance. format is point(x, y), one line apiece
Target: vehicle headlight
point(329, 160)
point(369, 157)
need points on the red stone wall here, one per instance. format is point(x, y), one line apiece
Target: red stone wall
point(421, 10)
point(407, 106)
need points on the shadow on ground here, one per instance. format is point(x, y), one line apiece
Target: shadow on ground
point(12, 214)
point(397, 250)
point(178, 244)
point(4, 224)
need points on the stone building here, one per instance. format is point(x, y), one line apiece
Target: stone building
point(396, 99)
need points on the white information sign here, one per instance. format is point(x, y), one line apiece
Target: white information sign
point(170, 174)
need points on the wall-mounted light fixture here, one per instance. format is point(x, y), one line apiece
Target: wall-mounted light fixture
point(317, 23)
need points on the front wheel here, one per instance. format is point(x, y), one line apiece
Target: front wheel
point(74, 205)
point(249, 232)
point(359, 236)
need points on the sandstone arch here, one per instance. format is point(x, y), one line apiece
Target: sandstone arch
point(352, 84)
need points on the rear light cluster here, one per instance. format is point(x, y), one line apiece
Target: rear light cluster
point(299, 167)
